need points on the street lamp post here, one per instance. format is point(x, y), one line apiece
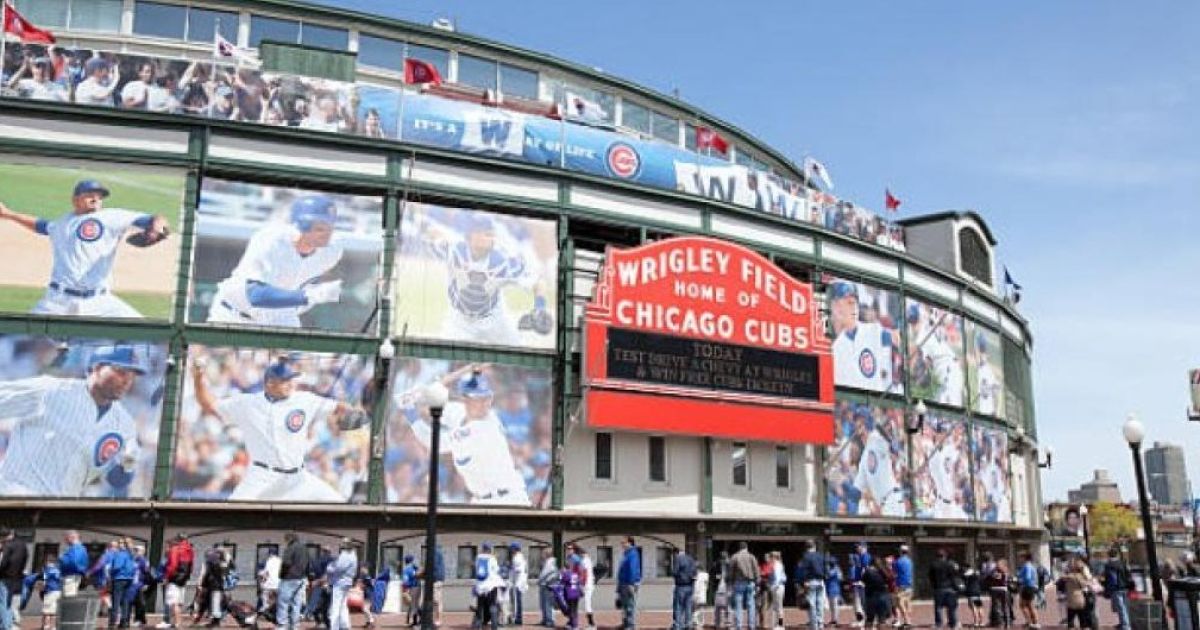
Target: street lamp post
point(435, 397)
point(1134, 432)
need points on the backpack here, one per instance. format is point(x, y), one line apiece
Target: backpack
point(1043, 577)
point(481, 568)
point(183, 571)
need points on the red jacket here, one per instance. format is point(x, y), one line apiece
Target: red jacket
point(180, 557)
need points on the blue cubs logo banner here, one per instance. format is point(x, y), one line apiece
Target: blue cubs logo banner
point(89, 230)
point(295, 421)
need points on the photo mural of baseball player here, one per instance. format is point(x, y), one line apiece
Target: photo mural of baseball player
point(476, 277)
point(935, 355)
point(495, 439)
point(867, 468)
point(93, 239)
point(79, 417)
point(941, 470)
point(198, 88)
point(273, 426)
point(985, 370)
point(287, 258)
point(866, 338)
point(993, 482)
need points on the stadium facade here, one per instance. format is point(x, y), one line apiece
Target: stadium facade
point(470, 218)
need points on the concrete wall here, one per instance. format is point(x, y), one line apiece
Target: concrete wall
point(630, 489)
point(761, 496)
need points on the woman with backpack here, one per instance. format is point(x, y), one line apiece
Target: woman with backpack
point(1077, 584)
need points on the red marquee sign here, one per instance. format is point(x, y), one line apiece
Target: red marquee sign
point(699, 336)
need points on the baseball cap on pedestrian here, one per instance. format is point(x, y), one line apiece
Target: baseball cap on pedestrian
point(514, 545)
point(347, 543)
point(281, 370)
point(903, 548)
point(487, 546)
point(122, 356)
point(90, 186)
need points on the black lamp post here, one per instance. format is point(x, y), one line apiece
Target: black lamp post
point(1087, 535)
point(435, 397)
point(1134, 432)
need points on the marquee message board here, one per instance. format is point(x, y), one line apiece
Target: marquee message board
point(698, 336)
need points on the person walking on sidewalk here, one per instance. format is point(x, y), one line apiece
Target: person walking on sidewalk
point(833, 590)
point(904, 588)
point(860, 560)
point(744, 571)
point(683, 569)
point(293, 567)
point(811, 577)
point(1117, 583)
point(1027, 578)
point(943, 579)
point(629, 578)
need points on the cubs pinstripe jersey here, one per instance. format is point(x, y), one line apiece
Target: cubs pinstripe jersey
point(988, 390)
point(276, 431)
point(475, 283)
point(85, 246)
point(62, 441)
point(862, 357)
point(271, 258)
point(479, 449)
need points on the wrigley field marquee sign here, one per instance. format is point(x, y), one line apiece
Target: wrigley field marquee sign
point(698, 336)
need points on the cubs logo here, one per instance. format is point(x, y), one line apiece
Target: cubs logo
point(294, 420)
point(107, 447)
point(89, 230)
point(866, 363)
point(623, 160)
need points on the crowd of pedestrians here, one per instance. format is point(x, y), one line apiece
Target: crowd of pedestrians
point(742, 590)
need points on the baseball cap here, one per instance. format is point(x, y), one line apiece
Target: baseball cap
point(914, 314)
point(122, 356)
point(486, 546)
point(475, 222)
point(42, 61)
point(408, 557)
point(347, 543)
point(281, 370)
point(841, 289)
point(474, 385)
point(903, 548)
point(514, 545)
point(90, 186)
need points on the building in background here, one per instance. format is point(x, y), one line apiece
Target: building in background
point(378, 180)
point(1100, 488)
point(1166, 474)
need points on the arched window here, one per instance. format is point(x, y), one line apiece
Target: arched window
point(974, 256)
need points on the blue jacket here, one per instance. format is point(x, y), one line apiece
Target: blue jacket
point(73, 561)
point(811, 567)
point(121, 566)
point(833, 581)
point(904, 572)
point(1028, 575)
point(858, 565)
point(631, 568)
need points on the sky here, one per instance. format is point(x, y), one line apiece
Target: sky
point(1073, 127)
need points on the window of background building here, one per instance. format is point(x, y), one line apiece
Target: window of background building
point(45, 13)
point(502, 554)
point(665, 128)
point(738, 460)
point(380, 52)
point(974, 253)
point(82, 15)
point(42, 552)
point(202, 23)
point(518, 82)
point(172, 21)
point(537, 555)
point(662, 561)
point(437, 57)
point(658, 458)
point(464, 565)
point(274, 29)
point(604, 454)
point(476, 72)
point(689, 137)
point(635, 117)
point(324, 36)
point(783, 467)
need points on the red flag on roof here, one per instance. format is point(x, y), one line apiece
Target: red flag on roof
point(708, 139)
point(890, 201)
point(417, 72)
point(15, 24)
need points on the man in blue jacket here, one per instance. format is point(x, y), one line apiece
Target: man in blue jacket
point(121, 570)
point(73, 564)
point(629, 577)
point(904, 587)
point(683, 569)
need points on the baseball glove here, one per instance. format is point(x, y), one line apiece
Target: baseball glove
point(538, 320)
point(148, 237)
